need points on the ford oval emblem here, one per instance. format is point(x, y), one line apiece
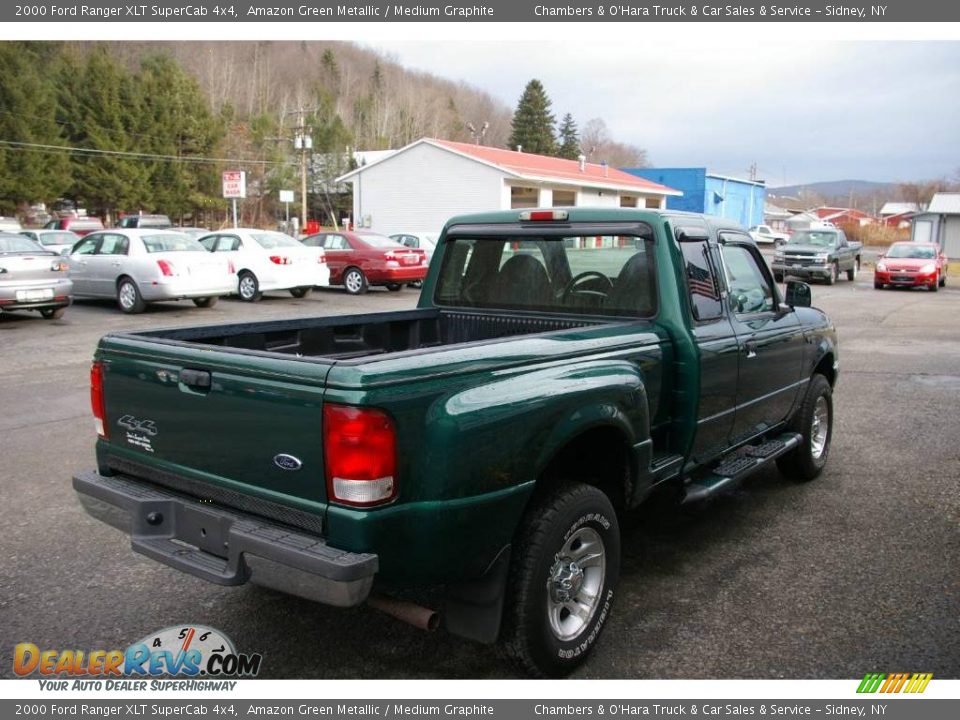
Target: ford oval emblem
point(287, 462)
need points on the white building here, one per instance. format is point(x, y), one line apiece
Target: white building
point(419, 187)
point(940, 224)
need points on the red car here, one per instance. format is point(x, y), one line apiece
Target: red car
point(79, 225)
point(911, 264)
point(358, 260)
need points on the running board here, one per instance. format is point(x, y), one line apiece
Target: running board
point(734, 469)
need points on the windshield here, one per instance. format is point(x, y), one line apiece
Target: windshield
point(270, 240)
point(590, 275)
point(171, 242)
point(379, 241)
point(912, 250)
point(18, 244)
point(823, 238)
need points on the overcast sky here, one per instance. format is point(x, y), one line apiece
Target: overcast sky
point(802, 111)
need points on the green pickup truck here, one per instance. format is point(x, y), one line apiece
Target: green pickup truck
point(560, 367)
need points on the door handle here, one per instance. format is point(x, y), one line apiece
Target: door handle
point(751, 349)
point(116, 263)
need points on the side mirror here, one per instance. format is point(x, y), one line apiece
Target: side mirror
point(798, 294)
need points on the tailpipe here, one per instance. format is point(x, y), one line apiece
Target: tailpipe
point(410, 613)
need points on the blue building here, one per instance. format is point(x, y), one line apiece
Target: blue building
point(706, 192)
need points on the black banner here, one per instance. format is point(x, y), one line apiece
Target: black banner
point(228, 11)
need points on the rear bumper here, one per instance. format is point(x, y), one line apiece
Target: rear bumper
point(399, 274)
point(177, 289)
point(61, 289)
point(226, 547)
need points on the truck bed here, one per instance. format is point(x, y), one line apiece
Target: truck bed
point(356, 337)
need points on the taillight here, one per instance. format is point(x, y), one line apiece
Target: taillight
point(279, 260)
point(322, 259)
point(230, 268)
point(360, 451)
point(59, 266)
point(390, 257)
point(96, 398)
point(166, 267)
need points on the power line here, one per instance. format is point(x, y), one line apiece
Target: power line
point(39, 147)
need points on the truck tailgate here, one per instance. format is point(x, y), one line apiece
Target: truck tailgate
point(247, 424)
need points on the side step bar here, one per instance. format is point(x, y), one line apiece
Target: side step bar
point(734, 469)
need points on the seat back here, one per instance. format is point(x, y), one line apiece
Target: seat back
point(523, 281)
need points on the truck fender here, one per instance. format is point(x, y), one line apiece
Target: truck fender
point(538, 412)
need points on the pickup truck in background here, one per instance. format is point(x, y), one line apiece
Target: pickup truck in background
point(817, 253)
point(561, 366)
point(766, 234)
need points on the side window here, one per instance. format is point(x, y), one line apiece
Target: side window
point(335, 242)
point(749, 290)
point(228, 243)
point(113, 245)
point(87, 246)
point(701, 281)
point(210, 242)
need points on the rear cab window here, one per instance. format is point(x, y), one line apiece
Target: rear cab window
point(589, 274)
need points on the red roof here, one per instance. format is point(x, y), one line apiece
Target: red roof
point(543, 166)
point(825, 213)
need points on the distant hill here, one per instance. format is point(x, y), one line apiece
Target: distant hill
point(835, 188)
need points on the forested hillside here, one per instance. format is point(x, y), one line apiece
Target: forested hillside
point(127, 126)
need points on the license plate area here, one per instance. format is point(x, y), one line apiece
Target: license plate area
point(204, 530)
point(33, 295)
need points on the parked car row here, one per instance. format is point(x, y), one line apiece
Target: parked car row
point(138, 266)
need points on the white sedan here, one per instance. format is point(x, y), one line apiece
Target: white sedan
point(267, 260)
point(137, 267)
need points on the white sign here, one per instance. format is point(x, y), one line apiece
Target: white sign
point(234, 184)
point(286, 196)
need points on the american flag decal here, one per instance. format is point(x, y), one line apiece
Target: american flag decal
point(701, 282)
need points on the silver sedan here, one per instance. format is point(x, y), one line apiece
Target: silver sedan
point(32, 278)
point(137, 267)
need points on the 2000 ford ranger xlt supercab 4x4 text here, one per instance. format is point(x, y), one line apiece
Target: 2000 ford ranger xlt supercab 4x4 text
point(561, 364)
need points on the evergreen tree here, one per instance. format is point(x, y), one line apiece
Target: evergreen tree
point(569, 139)
point(101, 109)
point(176, 121)
point(28, 115)
point(533, 123)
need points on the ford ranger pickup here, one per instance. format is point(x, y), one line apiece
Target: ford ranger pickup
point(561, 365)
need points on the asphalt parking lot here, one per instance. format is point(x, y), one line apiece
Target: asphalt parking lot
point(856, 572)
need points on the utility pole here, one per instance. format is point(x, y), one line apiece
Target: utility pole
point(302, 141)
point(753, 172)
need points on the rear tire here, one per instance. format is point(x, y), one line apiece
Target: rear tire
point(354, 281)
point(877, 285)
point(394, 287)
point(563, 575)
point(248, 287)
point(206, 302)
point(129, 299)
point(53, 313)
point(300, 292)
point(814, 422)
point(943, 281)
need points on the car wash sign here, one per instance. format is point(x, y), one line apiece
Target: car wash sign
point(234, 184)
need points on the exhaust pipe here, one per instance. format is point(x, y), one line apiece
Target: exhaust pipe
point(410, 613)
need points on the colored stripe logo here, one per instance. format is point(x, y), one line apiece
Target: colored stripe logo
point(894, 682)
